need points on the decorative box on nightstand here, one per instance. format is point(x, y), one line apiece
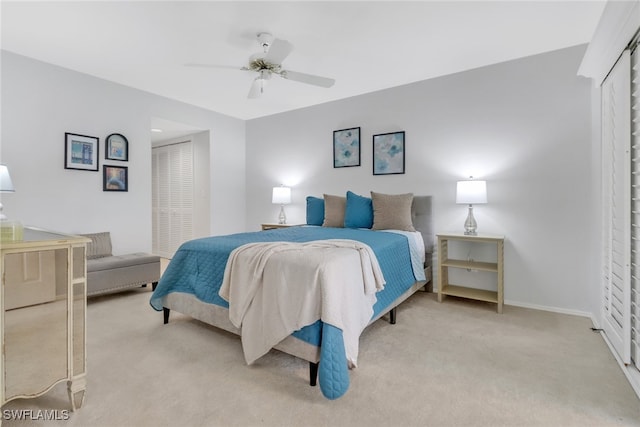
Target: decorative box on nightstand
point(445, 263)
point(268, 226)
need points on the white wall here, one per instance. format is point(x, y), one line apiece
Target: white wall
point(523, 125)
point(202, 185)
point(40, 102)
point(595, 293)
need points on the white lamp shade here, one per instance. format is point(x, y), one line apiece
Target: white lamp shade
point(5, 180)
point(471, 192)
point(281, 196)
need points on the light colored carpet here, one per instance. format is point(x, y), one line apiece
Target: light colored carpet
point(458, 363)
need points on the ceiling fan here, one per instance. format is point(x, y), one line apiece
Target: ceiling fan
point(269, 62)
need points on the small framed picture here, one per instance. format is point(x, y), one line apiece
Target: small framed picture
point(80, 152)
point(115, 178)
point(346, 148)
point(116, 148)
point(388, 153)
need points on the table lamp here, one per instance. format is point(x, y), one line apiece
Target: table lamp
point(281, 196)
point(471, 192)
point(9, 230)
point(6, 186)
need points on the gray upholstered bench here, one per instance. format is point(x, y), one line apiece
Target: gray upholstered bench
point(111, 273)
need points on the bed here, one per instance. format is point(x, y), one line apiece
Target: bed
point(192, 281)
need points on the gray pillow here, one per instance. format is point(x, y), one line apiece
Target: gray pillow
point(392, 211)
point(100, 245)
point(334, 207)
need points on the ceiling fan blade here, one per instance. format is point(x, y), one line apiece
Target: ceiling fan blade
point(257, 87)
point(278, 51)
point(230, 67)
point(308, 78)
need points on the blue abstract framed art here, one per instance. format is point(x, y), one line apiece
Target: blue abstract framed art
point(388, 153)
point(346, 147)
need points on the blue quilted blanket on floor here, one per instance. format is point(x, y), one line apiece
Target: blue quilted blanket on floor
point(198, 267)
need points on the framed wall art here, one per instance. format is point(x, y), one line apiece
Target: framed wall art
point(346, 147)
point(115, 178)
point(388, 153)
point(80, 152)
point(116, 147)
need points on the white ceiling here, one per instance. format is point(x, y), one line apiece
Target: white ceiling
point(366, 46)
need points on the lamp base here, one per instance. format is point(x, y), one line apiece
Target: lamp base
point(470, 225)
point(11, 231)
point(282, 218)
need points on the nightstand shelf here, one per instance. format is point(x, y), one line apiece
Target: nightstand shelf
point(471, 293)
point(470, 265)
point(445, 263)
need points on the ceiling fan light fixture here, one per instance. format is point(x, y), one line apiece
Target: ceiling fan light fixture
point(258, 85)
point(265, 75)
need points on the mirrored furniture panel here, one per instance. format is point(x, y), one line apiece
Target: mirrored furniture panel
point(43, 315)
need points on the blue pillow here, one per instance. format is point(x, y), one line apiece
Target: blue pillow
point(315, 210)
point(359, 211)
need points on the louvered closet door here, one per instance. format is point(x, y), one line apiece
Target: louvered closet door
point(172, 197)
point(635, 208)
point(616, 144)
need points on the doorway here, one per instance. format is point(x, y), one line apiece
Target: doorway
point(171, 196)
point(180, 185)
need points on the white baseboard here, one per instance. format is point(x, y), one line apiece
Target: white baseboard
point(552, 309)
point(630, 371)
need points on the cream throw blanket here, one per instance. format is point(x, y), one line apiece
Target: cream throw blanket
point(274, 289)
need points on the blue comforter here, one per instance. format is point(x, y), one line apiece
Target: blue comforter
point(198, 267)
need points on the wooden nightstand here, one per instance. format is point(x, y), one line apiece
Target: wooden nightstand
point(269, 226)
point(444, 263)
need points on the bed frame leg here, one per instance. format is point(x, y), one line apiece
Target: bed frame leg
point(165, 312)
point(153, 286)
point(392, 316)
point(313, 373)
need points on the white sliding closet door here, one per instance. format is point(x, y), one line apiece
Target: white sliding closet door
point(616, 168)
point(635, 208)
point(172, 197)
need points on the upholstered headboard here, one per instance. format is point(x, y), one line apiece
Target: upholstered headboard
point(421, 214)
